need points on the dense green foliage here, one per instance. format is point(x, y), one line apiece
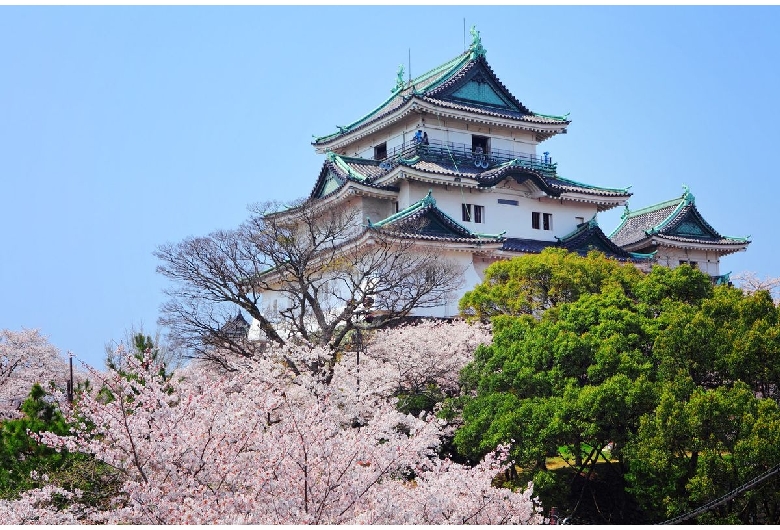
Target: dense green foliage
point(20, 454)
point(26, 464)
point(669, 382)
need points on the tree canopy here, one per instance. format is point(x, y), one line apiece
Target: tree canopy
point(670, 382)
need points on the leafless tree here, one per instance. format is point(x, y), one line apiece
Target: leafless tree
point(333, 273)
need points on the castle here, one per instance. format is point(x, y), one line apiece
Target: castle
point(451, 159)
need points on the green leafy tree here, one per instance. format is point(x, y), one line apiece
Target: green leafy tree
point(529, 286)
point(583, 357)
point(20, 454)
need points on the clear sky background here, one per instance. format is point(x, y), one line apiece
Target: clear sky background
point(123, 128)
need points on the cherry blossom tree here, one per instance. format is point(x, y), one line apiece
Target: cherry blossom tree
point(26, 358)
point(750, 282)
point(264, 445)
point(418, 360)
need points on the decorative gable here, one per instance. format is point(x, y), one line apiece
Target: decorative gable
point(692, 226)
point(431, 223)
point(589, 236)
point(592, 242)
point(330, 183)
point(479, 87)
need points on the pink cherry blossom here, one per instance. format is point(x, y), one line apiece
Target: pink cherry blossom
point(267, 445)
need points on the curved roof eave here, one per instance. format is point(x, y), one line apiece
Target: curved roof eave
point(416, 103)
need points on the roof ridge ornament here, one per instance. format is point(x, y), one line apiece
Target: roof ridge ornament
point(399, 83)
point(428, 199)
point(476, 48)
point(687, 195)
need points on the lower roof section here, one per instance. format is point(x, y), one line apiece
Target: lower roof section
point(585, 238)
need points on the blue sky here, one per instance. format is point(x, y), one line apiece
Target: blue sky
point(123, 128)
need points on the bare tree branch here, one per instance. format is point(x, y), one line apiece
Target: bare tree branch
point(330, 271)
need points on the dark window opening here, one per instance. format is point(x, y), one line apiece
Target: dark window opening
point(479, 214)
point(466, 211)
point(380, 151)
point(535, 224)
point(508, 201)
point(547, 218)
point(480, 142)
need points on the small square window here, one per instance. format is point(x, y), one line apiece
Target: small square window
point(579, 220)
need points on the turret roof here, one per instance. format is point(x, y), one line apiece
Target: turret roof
point(338, 170)
point(466, 82)
point(676, 220)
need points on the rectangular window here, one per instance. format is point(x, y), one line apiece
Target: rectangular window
point(380, 151)
point(466, 210)
point(511, 202)
point(535, 224)
point(479, 214)
point(547, 219)
point(579, 220)
point(473, 213)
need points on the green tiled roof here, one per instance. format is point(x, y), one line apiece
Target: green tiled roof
point(674, 219)
point(401, 93)
point(464, 82)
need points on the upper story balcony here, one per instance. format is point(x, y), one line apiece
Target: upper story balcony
point(461, 155)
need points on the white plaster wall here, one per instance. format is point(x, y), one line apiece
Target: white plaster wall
point(376, 209)
point(451, 130)
point(515, 220)
point(707, 262)
point(470, 278)
point(272, 302)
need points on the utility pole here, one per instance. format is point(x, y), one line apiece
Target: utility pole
point(70, 381)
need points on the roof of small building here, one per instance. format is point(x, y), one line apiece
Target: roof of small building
point(466, 82)
point(674, 220)
point(236, 327)
point(585, 238)
point(424, 220)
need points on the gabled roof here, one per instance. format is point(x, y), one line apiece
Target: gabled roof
point(338, 170)
point(676, 221)
point(424, 220)
point(586, 237)
point(236, 328)
point(466, 82)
